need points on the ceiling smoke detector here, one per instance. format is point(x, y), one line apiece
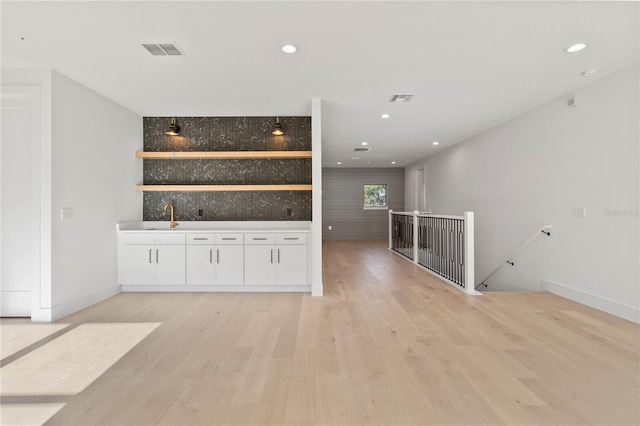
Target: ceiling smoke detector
point(400, 98)
point(163, 49)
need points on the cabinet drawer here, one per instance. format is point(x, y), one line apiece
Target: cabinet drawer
point(193, 239)
point(259, 238)
point(222, 239)
point(292, 238)
point(170, 239)
point(139, 238)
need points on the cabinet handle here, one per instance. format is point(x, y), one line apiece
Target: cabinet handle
point(296, 238)
point(259, 239)
point(157, 250)
point(278, 255)
point(218, 256)
point(150, 255)
point(271, 255)
point(201, 239)
point(231, 239)
point(210, 255)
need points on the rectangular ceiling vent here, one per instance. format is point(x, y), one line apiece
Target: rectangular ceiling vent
point(163, 49)
point(401, 98)
point(361, 149)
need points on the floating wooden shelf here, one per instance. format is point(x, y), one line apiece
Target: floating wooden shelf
point(223, 187)
point(223, 154)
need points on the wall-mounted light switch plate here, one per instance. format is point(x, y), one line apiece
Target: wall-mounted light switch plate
point(579, 212)
point(66, 214)
point(330, 228)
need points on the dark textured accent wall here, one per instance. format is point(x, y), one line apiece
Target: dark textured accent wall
point(342, 203)
point(228, 134)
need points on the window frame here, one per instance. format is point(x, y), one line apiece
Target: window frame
point(386, 198)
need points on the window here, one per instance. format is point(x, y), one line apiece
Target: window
point(375, 196)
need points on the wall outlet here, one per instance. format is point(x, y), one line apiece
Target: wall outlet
point(330, 228)
point(66, 214)
point(579, 212)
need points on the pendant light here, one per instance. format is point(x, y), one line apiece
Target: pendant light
point(277, 129)
point(173, 129)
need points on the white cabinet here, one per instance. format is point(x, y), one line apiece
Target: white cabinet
point(214, 259)
point(275, 259)
point(259, 267)
point(229, 258)
point(199, 264)
point(292, 264)
point(154, 259)
point(166, 260)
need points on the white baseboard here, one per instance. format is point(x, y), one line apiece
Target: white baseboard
point(15, 303)
point(72, 306)
point(217, 288)
point(317, 290)
point(609, 306)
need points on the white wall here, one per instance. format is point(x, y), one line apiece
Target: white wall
point(94, 172)
point(534, 170)
point(85, 164)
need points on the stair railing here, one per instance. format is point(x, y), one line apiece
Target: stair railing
point(546, 230)
point(443, 245)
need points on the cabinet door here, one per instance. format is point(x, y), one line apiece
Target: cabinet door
point(139, 264)
point(292, 264)
point(200, 264)
point(170, 264)
point(229, 265)
point(259, 265)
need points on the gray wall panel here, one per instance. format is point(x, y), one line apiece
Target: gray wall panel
point(342, 198)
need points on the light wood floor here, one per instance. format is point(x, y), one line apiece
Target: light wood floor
point(388, 344)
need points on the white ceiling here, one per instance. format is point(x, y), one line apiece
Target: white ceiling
point(470, 65)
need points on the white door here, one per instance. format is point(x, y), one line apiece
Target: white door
point(292, 264)
point(200, 264)
point(20, 200)
point(259, 265)
point(229, 265)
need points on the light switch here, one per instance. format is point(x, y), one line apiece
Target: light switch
point(65, 214)
point(579, 212)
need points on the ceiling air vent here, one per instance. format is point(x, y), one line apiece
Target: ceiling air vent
point(163, 49)
point(401, 98)
point(361, 149)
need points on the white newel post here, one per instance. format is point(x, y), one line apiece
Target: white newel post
point(415, 236)
point(469, 270)
point(390, 227)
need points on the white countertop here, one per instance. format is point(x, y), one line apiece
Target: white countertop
point(252, 226)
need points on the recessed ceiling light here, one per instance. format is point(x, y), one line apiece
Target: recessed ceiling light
point(339, 162)
point(576, 48)
point(590, 73)
point(385, 116)
point(393, 162)
point(364, 143)
point(435, 143)
point(289, 48)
